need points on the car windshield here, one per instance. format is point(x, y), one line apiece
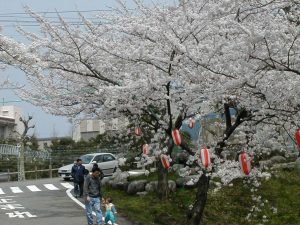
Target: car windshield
point(86, 159)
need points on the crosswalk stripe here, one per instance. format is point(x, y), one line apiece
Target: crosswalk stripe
point(33, 188)
point(67, 185)
point(16, 190)
point(51, 187)
point(1, 192)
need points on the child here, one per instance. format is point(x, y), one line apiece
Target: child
point(110, 211)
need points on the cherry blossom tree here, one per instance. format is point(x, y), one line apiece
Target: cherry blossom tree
point(169, 64)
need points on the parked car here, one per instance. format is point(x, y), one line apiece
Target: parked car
point(107, 162)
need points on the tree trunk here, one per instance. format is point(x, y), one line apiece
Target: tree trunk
point(21, 172)
point(195, 216)
point(162, 186)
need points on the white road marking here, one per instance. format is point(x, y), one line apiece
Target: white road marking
point(33, 188)
point(1, 192)
point(67, 185)
point(51, 187)
point(16, 190)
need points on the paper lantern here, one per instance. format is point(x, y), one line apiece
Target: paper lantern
point(165, 161)
point(145, 149)
point(176, 137)
point(137, 131)
point(297, 137)
point(245, 163)
point(205, 157)
point(191, 123)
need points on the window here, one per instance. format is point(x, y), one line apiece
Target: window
point(107, 158)
point(5, 113)
point(86, 159)
point(98, 158)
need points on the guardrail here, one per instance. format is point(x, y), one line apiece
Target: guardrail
point(8, 176)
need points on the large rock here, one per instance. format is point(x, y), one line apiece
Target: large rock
point(136, 186)
point(142, 193)
point(172, 185)
point(177, 167)
point(277, 159)
point(265, 164)
point(286, 166)
point(120, 185)
point(298, 165)
point(106, 181)
point(182, 181)
point(151, 186)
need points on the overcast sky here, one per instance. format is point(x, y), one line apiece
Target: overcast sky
point(12, 13)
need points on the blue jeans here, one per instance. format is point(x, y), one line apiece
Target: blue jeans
point(93, 203)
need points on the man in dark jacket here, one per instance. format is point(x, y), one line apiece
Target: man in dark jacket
point(78, 172)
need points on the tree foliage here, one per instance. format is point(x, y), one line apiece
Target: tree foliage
point(170, 63)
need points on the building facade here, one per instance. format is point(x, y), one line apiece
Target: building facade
point(10, 125)
point(87, 129)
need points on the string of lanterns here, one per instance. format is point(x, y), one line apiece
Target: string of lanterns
point(297, 137)
point(244, 158)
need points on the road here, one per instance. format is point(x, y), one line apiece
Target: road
point(44, 201)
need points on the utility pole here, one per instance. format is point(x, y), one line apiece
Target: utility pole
point(24, 138)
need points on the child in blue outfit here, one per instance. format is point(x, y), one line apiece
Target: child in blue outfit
point(110, 211)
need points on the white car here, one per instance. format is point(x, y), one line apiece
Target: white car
point(107, 162)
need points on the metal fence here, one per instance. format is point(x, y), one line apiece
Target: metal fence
point(30, 174)
point(41, 164)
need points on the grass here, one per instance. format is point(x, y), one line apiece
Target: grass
point(228, 206)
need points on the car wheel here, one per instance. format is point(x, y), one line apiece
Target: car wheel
point(66, 179)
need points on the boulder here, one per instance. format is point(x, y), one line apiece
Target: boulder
point(297, 162)
point(172, 185)
point(177, 167)
point(142, 193)
point(265, 163)
point(151, 186)
point(105, 181)
point(182, 181)
point(136, 186)
point(120, 185)
point(277, 159)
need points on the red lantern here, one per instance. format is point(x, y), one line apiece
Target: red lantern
point(205, 158)
point(191, 123)
point(165, 161)
point(297, 137)
point(145, 149)
point(137, 131)
point(245, 163)
point(176, 137)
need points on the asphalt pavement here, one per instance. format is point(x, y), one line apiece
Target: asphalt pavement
point(120, 220)
point(43, 201)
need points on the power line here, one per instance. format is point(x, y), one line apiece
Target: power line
point(10, 19)
point(29, 17)
point(58, 12)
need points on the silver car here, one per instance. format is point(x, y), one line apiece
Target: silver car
point(107, 162)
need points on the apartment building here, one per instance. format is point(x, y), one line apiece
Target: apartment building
point(10, 124)
point(90, 128)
